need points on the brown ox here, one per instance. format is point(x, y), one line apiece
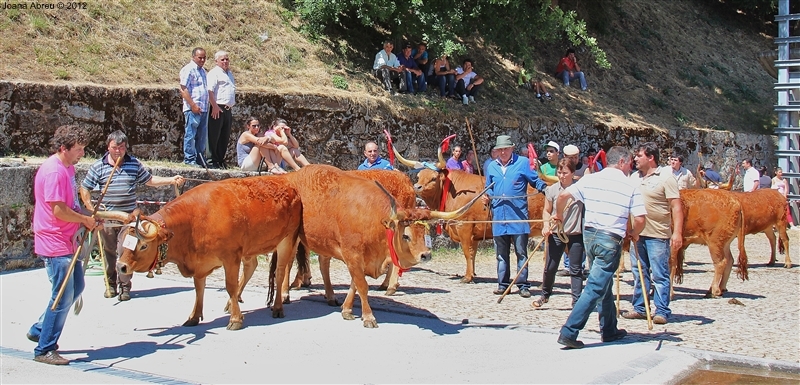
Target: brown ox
point(765, 209)
point(400, 187)
point(347, 217)
point(223, 223)
point(462, 188)
point(714, 218)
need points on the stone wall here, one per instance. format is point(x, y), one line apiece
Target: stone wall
point(331, 131)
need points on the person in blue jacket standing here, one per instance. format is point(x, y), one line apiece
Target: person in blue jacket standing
point(509, 176)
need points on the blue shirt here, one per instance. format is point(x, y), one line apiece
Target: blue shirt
point(380, 164)
point(408, 62)
point(713, 176)
point(509, 194)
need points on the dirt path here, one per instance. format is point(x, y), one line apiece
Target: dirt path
point(765, 325)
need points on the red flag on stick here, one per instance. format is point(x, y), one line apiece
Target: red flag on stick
point(389, 147)
point(446, 143)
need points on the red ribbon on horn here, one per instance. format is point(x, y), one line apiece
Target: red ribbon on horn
point(446, 143)
point(602, 156)
point(532, 157)
point(389, 147)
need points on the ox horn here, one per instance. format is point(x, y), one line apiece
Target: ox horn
point(441, 164)
point(392, 202)
point(409, 163)
point(150, 228)
point(448, 215)
point(114, 216)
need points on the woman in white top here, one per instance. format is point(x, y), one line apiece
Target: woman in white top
point(780, 184)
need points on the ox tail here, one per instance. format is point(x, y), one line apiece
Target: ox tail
point(742, 262)
point(678, 265)
point(273, 264)
point(303, 269)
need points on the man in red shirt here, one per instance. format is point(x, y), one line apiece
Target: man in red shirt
point(568, 69)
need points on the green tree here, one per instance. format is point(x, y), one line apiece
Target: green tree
point(513, 26)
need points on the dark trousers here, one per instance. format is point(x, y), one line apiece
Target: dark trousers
point(502, 244)
point(556, 247)
point(219, 133)
point(461, 89)
point(112, 250)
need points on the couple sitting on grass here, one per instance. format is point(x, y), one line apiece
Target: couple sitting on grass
point(273, 146)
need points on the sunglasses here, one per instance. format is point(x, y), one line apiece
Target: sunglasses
point(255, 125)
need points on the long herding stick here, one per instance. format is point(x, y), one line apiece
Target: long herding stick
point(83, 238)
point(645, 294)
point(508, 288)
point(474, 151)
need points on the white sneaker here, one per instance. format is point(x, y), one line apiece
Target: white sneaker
point(464, 99)
point(471, 99)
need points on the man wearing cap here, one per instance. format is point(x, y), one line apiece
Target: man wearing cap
point(712, 177)
point(507, 178)
point(572, 153)
point(551, 153)
point(412, 71)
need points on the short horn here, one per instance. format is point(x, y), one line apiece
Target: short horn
point(410, 163)
point(441, 164)
point(447, 215)
point(150, 228)
point(114, 216)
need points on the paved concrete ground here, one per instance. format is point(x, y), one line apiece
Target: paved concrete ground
point(142, 341)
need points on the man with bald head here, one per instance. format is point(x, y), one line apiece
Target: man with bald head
point(374, 160)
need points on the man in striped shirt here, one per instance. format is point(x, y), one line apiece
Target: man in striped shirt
point(609, 199)
point(120, 196)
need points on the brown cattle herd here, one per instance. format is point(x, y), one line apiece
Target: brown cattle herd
point(371, 222)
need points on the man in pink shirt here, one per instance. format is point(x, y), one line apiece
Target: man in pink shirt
point(56, 220)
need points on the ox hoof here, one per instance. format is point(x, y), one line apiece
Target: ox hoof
point(227, 309)
point(383, 287)
point(286, 300)
point(333, 302)
point(391, 291)
point(348, 315)
point(466, 280)
point(241, 300)
point(278, 313)
point(192, 322)
point(234, 325)
point(787, 266)
point(370, 324)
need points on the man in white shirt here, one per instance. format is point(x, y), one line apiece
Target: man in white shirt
point(467, 82)
point(221, 97)
point(386, 68)
point(750, 176)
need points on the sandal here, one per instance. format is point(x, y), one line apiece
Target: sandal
point(277, 170)
point(539, 302)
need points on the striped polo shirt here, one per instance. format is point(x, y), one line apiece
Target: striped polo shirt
point(121, 194)
point(609, 198)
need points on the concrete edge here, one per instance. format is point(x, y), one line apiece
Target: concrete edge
point(707, 356)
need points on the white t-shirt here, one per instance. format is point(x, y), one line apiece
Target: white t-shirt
point(750, 177)
point(468, 77)
point(223, 86)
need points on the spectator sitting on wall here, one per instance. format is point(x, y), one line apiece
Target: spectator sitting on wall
point(387, 68)
point(411, 72)
point(468, 83)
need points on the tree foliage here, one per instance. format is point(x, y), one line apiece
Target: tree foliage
point(513, 26)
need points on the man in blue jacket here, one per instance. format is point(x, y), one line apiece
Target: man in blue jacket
point(510, 175)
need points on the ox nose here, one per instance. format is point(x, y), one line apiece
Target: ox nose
point(425, 257)
point(122, 268)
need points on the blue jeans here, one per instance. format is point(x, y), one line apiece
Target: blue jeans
point(421, 84)
point(194, 139)
point(654, 254)
point(49, 326)
point(606, 252)
point(575, 75)
point(502, 244)
point(448, 80)
point(555, 248)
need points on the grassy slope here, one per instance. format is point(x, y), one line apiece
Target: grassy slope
point(674, 63)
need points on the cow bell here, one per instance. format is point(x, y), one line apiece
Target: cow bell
point(150, 274)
